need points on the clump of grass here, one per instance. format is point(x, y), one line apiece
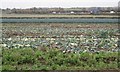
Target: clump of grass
point(54, 59)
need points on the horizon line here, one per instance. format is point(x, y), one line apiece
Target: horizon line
point(56, 7)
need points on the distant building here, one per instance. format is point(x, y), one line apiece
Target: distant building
point(112, 12)
point(72, 12)
point(59, 12)
point(54, 12)
point(94, 11)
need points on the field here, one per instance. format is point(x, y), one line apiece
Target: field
point(59, 46)
point(54, 59)
point(55, 16)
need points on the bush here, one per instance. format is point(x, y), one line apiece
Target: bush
point(53, 59)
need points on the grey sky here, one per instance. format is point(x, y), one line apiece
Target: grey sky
point(57, 3)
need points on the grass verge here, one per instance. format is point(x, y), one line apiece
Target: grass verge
point(54, 59)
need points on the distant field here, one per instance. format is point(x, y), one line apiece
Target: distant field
point(64, 25)
point(56, 15)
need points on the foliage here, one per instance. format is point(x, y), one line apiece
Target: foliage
point(54, 59)
point(59, 46)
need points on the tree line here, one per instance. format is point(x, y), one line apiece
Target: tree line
point(35, 10)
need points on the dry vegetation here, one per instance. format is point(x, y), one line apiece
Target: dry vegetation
point(56, 15)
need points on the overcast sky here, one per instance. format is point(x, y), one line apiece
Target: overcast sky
point(57, 3)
